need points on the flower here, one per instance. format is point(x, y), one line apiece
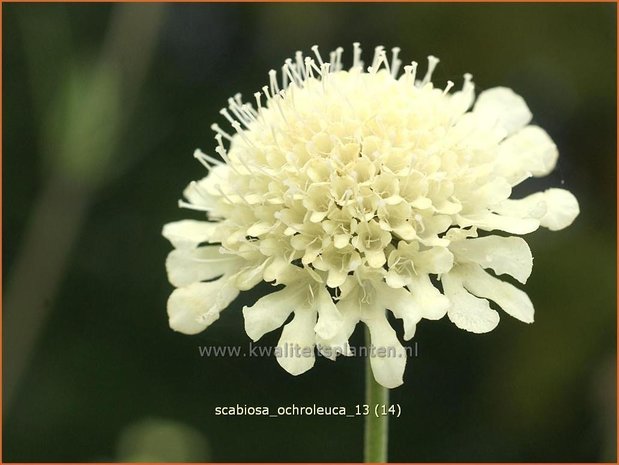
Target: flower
point(360, 191)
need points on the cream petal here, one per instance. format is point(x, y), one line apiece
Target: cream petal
point(405, 231)
point(530, 150)
point(186, 266)
point(396, 280)
point(436, 224)
point(336, 277)
point(467, 311)
point(510, 255)
point(272, 310)
point(375, 258)
point(338, 344)
point(554, 208)
point(341, 240)
point(448, 208)
point(562, 209)
point(435, 260)
point(276, 268)
point(486, 195)
point(193, 308)
point(387, 357)
point(503, 106)
point(329, 317)
point(514, 301)
point(317, 217)
point(481, 130)
point(425, 296)
point(250, 276)
point(533, 206)
point(422, 203)
point(295, 350)
point(259, 229)
point(490, 221)
point(186, 234)
point(402, 305)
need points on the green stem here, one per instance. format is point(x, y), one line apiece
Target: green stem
point(376, 426)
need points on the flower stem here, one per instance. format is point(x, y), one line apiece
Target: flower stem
point(376, 425)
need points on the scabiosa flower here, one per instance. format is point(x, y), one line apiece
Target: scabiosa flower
point(360, 191)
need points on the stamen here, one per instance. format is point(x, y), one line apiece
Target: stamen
point(284, 76)
point(258, 96)
point(378, 56)
point(449, 85)
point(317, 53)
point(265, 89)
point(300, 67)
point(468, 84)
point(410, 71)
point(309, 66)
point(238, 112)
point(205, 159)
point(211, 260)
point(324, 73)
point(215, 127)
point(311, 293)
point(395, 61)
point(338, 58)
point(224, 154)
point(278, 102)
point(292, 72)
point(432, 62)
point(273, 82)
point(190, 206)
point(357, 63)
point(237, 127)
point(225, 114)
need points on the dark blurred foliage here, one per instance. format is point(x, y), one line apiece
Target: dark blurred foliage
point(108, 377)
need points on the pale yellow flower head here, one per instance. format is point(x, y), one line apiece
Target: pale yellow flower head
point(361, 191)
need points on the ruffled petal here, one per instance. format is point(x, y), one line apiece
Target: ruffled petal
point(467, 311)
point(249, 276)
point(387, 356)
point(375, 258)
point(338, 344)
point(488, 194)
point(555, 209)
point(186, 234)
point(427, 298)
point(329, 317)
point(510, 255)
point(186, 266)
point(402, 305)
point(514, 301)
point(562, 209)
point(489, 221)
point(530, 151)
point(295, 350)
point(396, 279)
point(271, 311)
point(504, 107)
point(193, 308)
point(533, 206)
point(435, 261)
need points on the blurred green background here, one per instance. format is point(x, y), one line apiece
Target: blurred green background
point(103, 105)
